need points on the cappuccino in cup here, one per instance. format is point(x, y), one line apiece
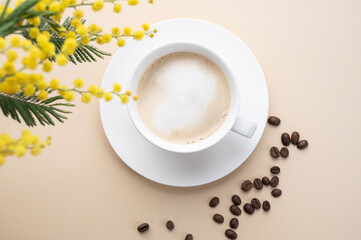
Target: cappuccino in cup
point(183, 98)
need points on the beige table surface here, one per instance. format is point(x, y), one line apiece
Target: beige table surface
point(311, 55)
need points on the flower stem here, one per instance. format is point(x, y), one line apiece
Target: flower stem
point(89, 4)
point(4, 10)
point(6, 151)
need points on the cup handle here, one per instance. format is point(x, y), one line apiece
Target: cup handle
point(244, 127)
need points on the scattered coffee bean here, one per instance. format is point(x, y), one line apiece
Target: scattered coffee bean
point(236, 200)
point(265, 181)
point(295, 137)
point(231, 234)
point(284, 152)
point(274, 181)
point(266, 206)
point(276, 192)
point(170, 225)
point(233, 223)
point(256, 204)
point(275, 121)
point(235, 210)
point(275, 170)
point(257, 183)
point(143, 227)
point(214, 202)
point(218, 218)
point(275, 153)
point(246, 185)
point(248, 208)
point(189, 237)
point(302, 144)
point(285, 139)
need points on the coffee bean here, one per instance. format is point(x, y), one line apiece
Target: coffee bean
point(295, 137)
point(214, 202)
point(218, 218)
point(285, 139)
point(143, 227)
point(275, 121)
point(275, 170)
point(170, 225)
point(233, 223)
point(302, 144)
point(257, 183)
point(189, 237)
point(231, 234)
point(284, 152)
point(255, 203)
point(266, 206)
point(275, 153)
point(246, 185)
point(265, 181)
point(276, 192)
point(274, 181)
point(248, 208)
point(235, 210)
point(236, 200)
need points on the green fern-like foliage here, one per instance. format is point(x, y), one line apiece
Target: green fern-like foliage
point(32, 110)
point(9, 25)
point(29, 108)
point(83, 53)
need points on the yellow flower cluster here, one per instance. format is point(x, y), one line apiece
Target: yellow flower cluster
point(19, 147)
point(45, 49)
point(133, 2)
point(98, 5)
point(29, 83)
point(118, 35)
point(41, 51)
point(94, 90)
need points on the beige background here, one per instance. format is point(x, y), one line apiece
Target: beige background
point(311, 55)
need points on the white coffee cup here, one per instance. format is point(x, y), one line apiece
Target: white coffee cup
point(232, 122)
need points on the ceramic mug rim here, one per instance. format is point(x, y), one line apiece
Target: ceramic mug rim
point(183, 46)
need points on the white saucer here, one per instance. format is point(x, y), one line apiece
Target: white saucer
point(191, 169)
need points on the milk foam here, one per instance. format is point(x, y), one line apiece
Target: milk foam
point(183, 97)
